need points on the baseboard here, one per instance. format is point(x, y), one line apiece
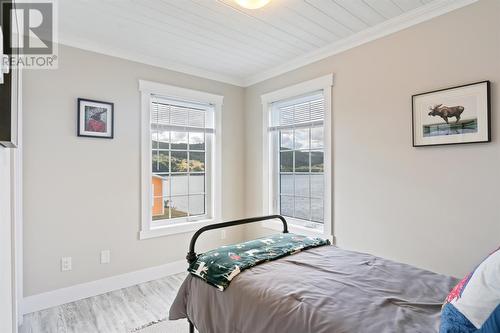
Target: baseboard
point(80, 291)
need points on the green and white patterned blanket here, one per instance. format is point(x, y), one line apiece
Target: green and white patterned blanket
point(218, 267)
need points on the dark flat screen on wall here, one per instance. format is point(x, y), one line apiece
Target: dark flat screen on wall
point(9, 90)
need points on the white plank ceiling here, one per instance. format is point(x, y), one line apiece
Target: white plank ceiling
point(222, 41)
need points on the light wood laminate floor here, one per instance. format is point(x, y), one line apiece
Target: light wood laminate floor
point(117, 311)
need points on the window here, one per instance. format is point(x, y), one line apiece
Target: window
point(180, 150)
point(297, 131)
point(297, 154)
point(181, 135)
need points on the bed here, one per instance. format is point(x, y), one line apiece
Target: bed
point(320, 290)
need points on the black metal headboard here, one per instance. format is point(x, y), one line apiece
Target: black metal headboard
point(191, 256)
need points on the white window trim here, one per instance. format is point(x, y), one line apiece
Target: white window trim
point(323, 84)
point(148, 88)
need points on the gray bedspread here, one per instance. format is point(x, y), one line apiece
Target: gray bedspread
point(321, 290)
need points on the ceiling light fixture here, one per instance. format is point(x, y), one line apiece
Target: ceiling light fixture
point(252, 4)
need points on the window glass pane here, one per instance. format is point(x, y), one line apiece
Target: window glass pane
point(286, 161)
point(154, 161)
point(318, 109)
point(196, 141)
point(317, 210)
point(302, 138)
point(163, 139)
point(316, 137)
point(179, 206)
point(160, 208)
point(179, 161)
point(317, 186)
point(197, 183)
point(196, 162)
point(160, 185)
point(179, 140)
point(286, 140)
point(197, 118)
point(301, 161)
point(160, 113)
point(317, 161)
point(302, 208)
point(179, 184)
point(302, 185)
point(163, 161)
point(196, 204)
point(302, 113)
point(179, 115)
point(286, 205)
point(286, 115)
point(154, 139)
point(286, 183)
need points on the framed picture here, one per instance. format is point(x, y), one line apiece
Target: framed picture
point(95, 118)
point(451, 116)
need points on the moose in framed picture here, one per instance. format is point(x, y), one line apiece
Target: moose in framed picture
point(453, 115)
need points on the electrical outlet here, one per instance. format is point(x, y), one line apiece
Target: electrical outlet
point(223, 234)
point(105, 256)
point(66, 264)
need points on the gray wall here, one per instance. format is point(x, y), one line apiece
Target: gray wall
point(434, 207)
point(82, 195)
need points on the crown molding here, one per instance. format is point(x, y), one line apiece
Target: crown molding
point(403, 21)
point(383, 29)
point(80, 43)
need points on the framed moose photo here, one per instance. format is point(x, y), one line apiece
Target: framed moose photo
point(95, 118)
point(451, 116)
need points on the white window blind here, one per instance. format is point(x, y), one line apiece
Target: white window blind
point(300, 112)
point(181, 115)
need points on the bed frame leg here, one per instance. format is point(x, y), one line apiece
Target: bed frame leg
point(191, 327)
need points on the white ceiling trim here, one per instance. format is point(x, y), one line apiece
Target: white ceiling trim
point(147, 59)
point(403, 21)
point(383, 29)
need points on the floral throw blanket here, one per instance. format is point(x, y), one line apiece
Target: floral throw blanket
point(218, 267)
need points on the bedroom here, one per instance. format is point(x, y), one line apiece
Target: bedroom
point(159, 117)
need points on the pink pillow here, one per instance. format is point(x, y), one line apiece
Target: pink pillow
point(478, 294)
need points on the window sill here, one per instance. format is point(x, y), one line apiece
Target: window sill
point(278, 226)
point(180, 228)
